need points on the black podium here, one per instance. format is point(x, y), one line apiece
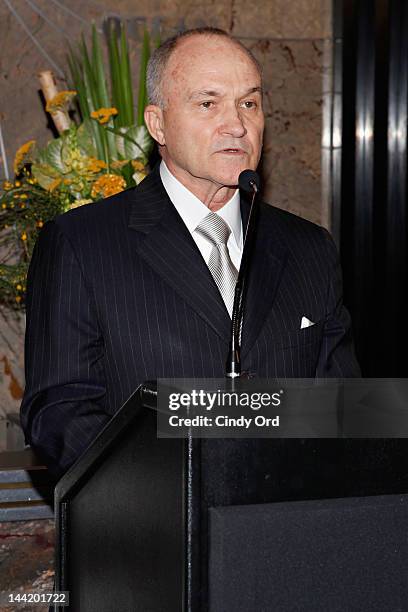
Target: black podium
point(231, 525)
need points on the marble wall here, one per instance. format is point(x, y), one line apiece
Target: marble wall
point(292, 40)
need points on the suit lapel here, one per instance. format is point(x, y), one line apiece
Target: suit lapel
point(265, 271)
point(170, 250)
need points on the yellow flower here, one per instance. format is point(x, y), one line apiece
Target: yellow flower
point(22, 156)
point(7, 185)
point(23, 196)
point(96, 165)
point(4, 205)
point(54, 184)
point(39, 223)
point(59, 101)
point(119, 163)
point(18, 299)
point(17, 184)
point(102, 115)
point(23, 236)
point(19, 287)
point(138, 165)
point(107, 185)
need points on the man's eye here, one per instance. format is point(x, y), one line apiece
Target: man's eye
point(249, 104)
point(207, 104)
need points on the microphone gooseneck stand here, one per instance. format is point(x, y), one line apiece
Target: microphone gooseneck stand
point(249, 182)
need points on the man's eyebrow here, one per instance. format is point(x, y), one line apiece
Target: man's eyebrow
point(257, 89)
point(212, 93)
point(204, 92)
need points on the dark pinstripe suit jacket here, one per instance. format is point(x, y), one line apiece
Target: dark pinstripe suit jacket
point(118, 293)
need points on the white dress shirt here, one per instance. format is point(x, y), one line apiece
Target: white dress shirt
point(193, 211)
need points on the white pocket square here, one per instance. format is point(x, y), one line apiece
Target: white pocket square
point(305, 322)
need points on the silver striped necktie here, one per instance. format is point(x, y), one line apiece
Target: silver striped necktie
point(214, 229)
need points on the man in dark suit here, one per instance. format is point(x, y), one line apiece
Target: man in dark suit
point(125, 290)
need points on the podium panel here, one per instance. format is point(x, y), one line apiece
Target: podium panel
point(337, 555)
point(120, 523)
point(213, 525)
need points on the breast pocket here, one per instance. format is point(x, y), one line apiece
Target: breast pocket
point(299, 337)
point(296, 352)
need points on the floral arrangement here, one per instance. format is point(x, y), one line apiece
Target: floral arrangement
point(103, 153)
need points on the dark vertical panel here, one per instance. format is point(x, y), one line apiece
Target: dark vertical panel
point(357, 205)
point(363, 228)
point(373, 190)
point(348, 135)
point(395, 310)
point(377, 365)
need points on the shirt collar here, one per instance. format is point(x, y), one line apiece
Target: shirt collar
point(193, 211)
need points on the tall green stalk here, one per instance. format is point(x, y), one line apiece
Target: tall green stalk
point(89, 80)
point(114, 65)
point(142, 97)
point(126, 80)
point(85, 101)
point(102, 92)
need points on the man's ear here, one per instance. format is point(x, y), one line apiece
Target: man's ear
point(153, 116)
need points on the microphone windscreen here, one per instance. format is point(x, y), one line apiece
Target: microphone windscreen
point(246, 178)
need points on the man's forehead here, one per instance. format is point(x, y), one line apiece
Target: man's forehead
point(212, 51)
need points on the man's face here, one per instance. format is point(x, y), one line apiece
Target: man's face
point(212, 124)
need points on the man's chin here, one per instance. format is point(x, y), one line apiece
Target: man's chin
point(230, 177)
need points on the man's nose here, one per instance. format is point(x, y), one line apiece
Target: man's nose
point(232, 123)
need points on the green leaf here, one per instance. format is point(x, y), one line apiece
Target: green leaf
point(142, 96)
point(92, 102)
point(102, 91)
point(114, 65)
point(98, 70)
point(51, 155)
point(78, 83)
point(85, 138)
point(126, 79)
point(66, 155)
point(134, 143)
point(97, 138)
point(44, 174)
point(127, 172)
point(89, 79)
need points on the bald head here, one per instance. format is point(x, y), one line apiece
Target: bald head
point(159, 60)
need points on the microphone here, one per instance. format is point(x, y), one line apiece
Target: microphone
point(248, 181)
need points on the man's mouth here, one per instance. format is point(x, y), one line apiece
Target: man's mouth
point(232, 151)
